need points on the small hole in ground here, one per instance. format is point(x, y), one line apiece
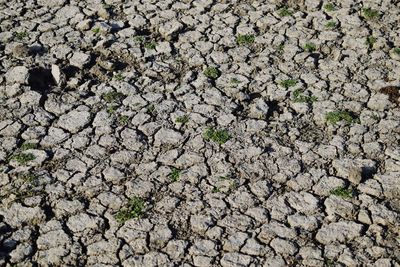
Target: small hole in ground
point(41, 80)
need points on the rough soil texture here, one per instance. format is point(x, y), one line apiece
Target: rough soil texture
point(199, 133)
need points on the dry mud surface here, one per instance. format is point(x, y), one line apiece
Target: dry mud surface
point(199, 133)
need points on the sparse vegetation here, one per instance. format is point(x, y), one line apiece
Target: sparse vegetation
point(397, 50)
point(369, 13)
point(336, 116)
point(182, 119)
point(288, 83)
point(211, 72)
point(151, 109)
point(329, 7)
point(245, 39)
point(331, 24)
point(342, 192)
point(150, 45)
point(21, 35)
point(113, 96)
point(123, 119)
point(139, 39)
point(24, 158)
point(174, 174)
point(370, 41)
point(217, 136)
point(118, 77)
point(310, 47)
point(299, 97)
point(111, 109)
point(284, 12)
point(96, 30)
point(234, 81)
point(26, 146)
point(134, 209)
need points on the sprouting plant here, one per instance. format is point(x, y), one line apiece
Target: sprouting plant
point(113, 96)
point(334, 117)
point(299, 97)
point(234, 81)
point(245, 39)
point(24, 158)
point(330, 24)
point(280, 48)
point(285, 11)
point(123, 119)
point(310, 47)
point(28, 178)
point(329, 7)
point(216, 189)
point(397, 50)
point(96, 30)
point(370, 41)
point(151, 109)
point(342, 192)
point(174, 174)
point(134, 209)
point(139, 39)
point(211, 72)
point(118, 77)
point(288, 83)
point(111, 109)
point(150, 45)
point(26, 146)
point(21, 35)
point(217, 136)
point(369, 13)
point(182, 119)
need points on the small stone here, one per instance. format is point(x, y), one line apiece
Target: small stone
point(19, 74)
point(74, 120)
point(235, 260)
point(79, 60)
point(58, 75)
point(284, 247)
point(20, 51)
point(170, 29)
point(167, 137)
point(342, 231)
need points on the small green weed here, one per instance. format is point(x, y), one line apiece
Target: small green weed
point(134, 209)
point(234, 81)
point(24, 158)
point(334, 117)
point(151, 109)
point(329, 7)
point(288, 83)
point(299, 97)
point(139, 39)
point(182, 119)
point(369, 13)
point(21, 35)
point(397, 50)
point(123, 119)
point(245, 39)
point(342, 192)
point(174, 174)
point(284, 12)
point(118, 77)
point(112, 109)
point(217, 136)
point(370, 41)
point(96, 30)
point(211, 72)
point(26, 146)
point(280, 49)
point(216, 189)
point(331, 24)
point(150, 45)
point(310, 47)
point(113, 96)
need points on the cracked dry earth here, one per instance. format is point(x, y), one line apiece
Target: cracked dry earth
point(199, 133)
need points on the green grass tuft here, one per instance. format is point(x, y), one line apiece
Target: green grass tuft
point(134, 209)
point(342, 192)
point(298, 97)
point(397, 50)
point(369, 13)
point(288, 83)
point(21, 35)
point(150, 45)
point(245, 39)
point(113, 96)
point(331, 24)
point(217, 136)
point(310, 47)
point(174, 174)
point(211, 72)
point(334, 117)
point(26, 146)
point(182, 119)
point(24, 158)
point(370, 41)
point(329, 7)
point(284, 12)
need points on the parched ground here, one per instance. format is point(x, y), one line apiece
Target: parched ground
point(199, 133)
